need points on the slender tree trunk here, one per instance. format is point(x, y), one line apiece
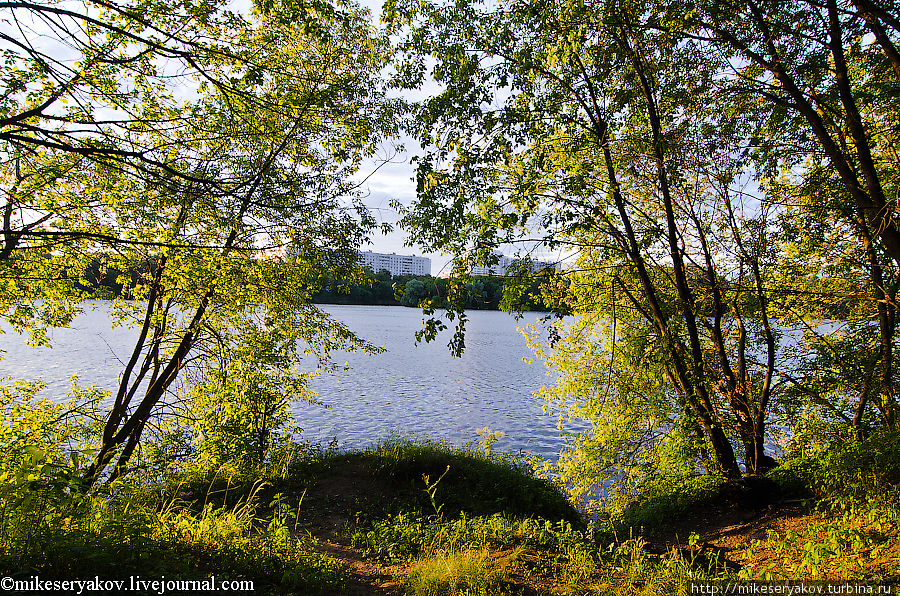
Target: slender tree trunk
point(700, 405)
point(706, 411)
point(120, 430)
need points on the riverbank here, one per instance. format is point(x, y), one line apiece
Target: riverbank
point(424, 518)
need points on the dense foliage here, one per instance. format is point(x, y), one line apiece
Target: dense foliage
point(188, 145)
point(721, 173)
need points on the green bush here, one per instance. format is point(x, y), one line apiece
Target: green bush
point(477, 482)
point(659, 502)
point(868, 469)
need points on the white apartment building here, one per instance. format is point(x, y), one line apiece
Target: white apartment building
point(507, 265)
point(395, 264)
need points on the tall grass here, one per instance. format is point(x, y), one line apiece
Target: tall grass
point(452, 520)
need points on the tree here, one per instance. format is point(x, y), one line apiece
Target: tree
point(599, 144)
point(119, 91)
point(822, 79)
point(722, 171)
point(89, 91)
point(413, 292)
point(826, 71)
point(194, 187)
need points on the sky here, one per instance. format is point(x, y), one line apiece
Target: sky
point(385, 184)
point(395, 181)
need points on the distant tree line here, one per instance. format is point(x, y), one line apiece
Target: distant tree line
point(482, 292)
point(103, 279)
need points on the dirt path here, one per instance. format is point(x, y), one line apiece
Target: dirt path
point(365, 577)
point(329, 506)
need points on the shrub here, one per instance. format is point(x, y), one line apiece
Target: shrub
point(868, 469)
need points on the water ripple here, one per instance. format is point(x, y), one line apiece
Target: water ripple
point(408, 390)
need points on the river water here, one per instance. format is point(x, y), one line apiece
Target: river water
point(409, 390)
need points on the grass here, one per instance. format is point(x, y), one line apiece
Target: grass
point(129, 532)
point(439, 520)
point(471, 572)
point(466, 480)
point(660, 502)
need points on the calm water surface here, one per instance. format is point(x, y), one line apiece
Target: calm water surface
point(409, 390)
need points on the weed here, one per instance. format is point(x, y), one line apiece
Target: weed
point(431, 489)
point(488, 438)
point(469, 572)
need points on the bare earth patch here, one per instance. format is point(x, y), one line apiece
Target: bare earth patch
point(330, 504)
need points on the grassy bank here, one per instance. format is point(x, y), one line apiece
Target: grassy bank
point(426, 518)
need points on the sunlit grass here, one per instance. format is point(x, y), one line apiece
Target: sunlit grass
point(486, 525)
point(462, 572)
